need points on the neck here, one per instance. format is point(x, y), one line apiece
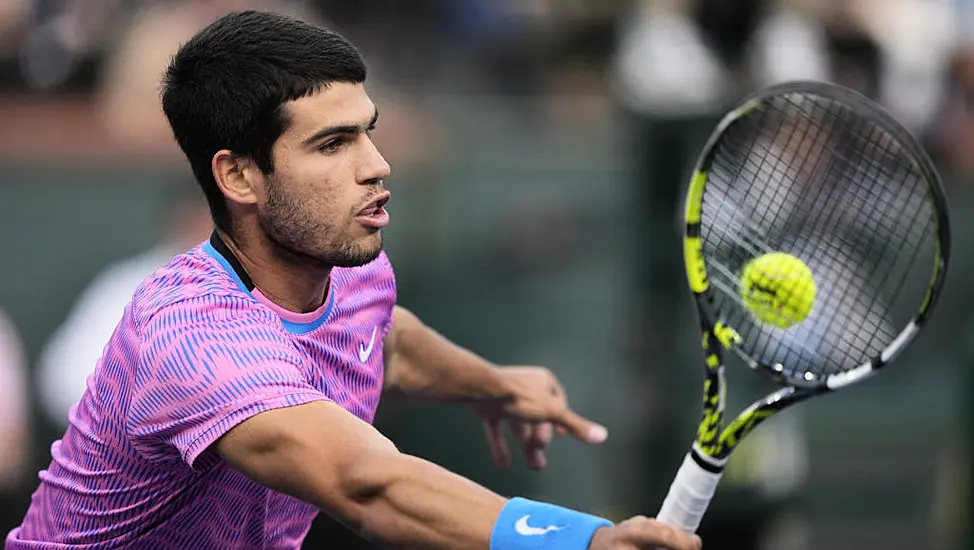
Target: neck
point(293, 285)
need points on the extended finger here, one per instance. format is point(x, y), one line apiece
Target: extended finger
point(498, 445)
point(532, 444)
point(579, 427)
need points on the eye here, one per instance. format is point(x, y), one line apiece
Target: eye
point(332, 145)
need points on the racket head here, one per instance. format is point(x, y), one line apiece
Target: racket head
point(824, 174)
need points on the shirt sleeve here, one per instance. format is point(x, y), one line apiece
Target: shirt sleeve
point(203, 369)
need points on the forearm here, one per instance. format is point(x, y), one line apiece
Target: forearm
point(422, 364)
point(321, 454)
point(385, 496)
point(420, 505)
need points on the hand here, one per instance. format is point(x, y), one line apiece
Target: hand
point(536, 409)
point(642, 533)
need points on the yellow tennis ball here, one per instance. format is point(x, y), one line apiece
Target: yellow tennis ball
point(778, 288)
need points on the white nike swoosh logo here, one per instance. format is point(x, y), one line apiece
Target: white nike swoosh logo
point(365, 352)
point(523, 528)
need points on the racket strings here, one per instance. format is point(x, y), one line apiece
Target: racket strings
point(785, 196)
point(817, 180)
point(866, 247)
point(880, 160)
point(843, 168)
point(731, 286)
point(729, 283)
point(746, 233)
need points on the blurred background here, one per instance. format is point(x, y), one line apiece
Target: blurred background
point(540, 150)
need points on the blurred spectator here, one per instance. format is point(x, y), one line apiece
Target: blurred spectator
point(63, 38)
point(128, 98)
point(951, 136)
point(74, 349)
point(14, 15)
point(13, 18)
point(129, 94)
point(13, 409)
point(687, 57)
point(56, 44)
point(903, 43)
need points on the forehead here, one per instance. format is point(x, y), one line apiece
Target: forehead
point(339, 104)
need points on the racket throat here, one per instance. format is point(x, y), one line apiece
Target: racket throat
point(712, 421)
point(706, 462)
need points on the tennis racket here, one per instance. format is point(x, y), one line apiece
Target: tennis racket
point(824, 175)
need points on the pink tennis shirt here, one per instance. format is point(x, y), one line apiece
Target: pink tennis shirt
point(199, 350)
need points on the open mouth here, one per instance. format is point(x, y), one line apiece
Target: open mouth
point(375, 206)
point(374, 214)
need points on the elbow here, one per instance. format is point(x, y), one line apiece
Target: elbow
point(369, 477)
point(349, 477)
point(365, 487)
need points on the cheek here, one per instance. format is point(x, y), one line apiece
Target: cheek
point(334, 192)
point(319, 206)
point(322, 188)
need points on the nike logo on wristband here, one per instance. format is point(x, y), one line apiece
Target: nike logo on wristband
point(523, 528)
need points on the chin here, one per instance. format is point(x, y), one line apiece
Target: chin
point(353, 261)
point(356, 254)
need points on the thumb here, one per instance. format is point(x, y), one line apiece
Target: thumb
point(583, 429)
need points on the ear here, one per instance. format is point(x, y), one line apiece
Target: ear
point(236, 177)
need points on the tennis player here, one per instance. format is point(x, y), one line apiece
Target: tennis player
point(234, 401)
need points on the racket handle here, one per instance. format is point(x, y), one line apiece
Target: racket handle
point(689, 495)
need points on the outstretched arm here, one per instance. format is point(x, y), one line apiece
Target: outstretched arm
point(323, 455)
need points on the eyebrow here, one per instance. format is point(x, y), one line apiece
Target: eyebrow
point(342, 129)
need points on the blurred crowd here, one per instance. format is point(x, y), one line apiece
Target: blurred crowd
point(79, 86)
point(665, 57)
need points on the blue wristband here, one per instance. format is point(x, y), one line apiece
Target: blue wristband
point(527, 525)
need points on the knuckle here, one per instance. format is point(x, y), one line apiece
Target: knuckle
point(642, 521)
point(635, 526)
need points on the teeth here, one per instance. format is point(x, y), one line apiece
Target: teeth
point(374, 209)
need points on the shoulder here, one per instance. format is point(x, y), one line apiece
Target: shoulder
point(193, 289)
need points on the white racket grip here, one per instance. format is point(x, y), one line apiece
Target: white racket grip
point(689, 496)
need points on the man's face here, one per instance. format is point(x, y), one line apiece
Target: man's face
point(324, 201)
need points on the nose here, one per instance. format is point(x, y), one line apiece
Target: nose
point(374, 167)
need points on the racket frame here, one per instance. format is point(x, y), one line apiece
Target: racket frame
point(718, 337)
point(697, 479)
